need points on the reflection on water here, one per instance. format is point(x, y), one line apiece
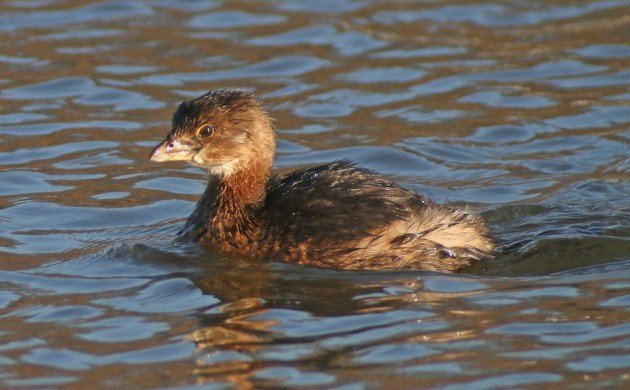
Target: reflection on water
point(517, 110)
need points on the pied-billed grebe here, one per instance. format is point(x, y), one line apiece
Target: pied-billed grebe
point(333, 215)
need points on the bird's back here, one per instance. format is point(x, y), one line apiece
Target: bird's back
point(338, 215)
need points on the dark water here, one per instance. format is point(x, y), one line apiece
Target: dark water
point(517, 109)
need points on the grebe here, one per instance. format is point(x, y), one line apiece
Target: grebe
point(334, 215)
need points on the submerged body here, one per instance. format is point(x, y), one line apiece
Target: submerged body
point(333, 215)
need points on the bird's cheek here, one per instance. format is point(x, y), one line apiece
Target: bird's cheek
point(198, 160)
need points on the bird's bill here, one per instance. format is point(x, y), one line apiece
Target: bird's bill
point(172, 150)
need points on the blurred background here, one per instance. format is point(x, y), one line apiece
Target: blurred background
point(517, 110)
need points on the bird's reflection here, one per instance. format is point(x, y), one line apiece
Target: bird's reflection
point(263, 301)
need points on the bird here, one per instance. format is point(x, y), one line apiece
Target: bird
point(335, 215)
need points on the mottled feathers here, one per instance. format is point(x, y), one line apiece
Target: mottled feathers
point(338, 215)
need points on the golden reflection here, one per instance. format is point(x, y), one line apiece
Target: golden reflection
point(224, 350)
point(238, 369)
point(236, 375)
point(441, 337)
point(218, 337)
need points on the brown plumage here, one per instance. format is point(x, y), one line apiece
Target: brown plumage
point(333, 215)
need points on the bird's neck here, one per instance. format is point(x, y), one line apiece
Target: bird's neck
point(228, 205)
point(242, 189)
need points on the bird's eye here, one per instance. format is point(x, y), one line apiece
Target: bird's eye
point(206, 131)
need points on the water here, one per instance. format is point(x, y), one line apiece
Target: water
point(518, 110)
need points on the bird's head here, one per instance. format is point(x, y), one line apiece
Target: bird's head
point(222, 131)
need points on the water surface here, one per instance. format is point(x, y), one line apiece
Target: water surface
point(516, 110)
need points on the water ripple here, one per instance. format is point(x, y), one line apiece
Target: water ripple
point(515, 110)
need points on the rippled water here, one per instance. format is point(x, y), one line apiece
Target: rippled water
point(518, 109)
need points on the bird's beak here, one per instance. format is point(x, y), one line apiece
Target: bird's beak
point(172, 150)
